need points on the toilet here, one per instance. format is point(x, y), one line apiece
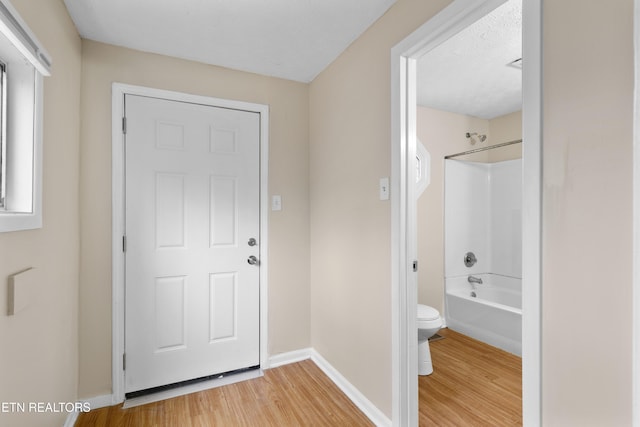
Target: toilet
point(429, 322)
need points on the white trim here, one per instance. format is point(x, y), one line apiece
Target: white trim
point(264, 232)
point(192, 388)
point(17, 221)
point(449, 21)
point(96, 402)
point(117, 230)
point(635, 392)
point(106, 400)
point(404, 382)
point(13, 27)
point(118, 214)
point(289, 357)
point(71, 419)
point(102, 401)
point(358, 399)
point(532, 214)
point(365, 405)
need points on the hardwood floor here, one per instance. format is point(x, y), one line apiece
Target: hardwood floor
point(473, 384)
point(299, 394)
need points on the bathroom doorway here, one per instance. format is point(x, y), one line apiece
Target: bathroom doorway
point(406, 57)
point(469, 96)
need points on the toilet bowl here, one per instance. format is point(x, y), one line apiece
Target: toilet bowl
point(429, 322)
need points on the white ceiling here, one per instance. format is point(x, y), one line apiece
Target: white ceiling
point(291, 39)
point(469, 73)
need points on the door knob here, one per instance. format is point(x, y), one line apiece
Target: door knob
point(252, 260)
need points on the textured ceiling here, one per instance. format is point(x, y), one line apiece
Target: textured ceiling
point(291, 39)
point(469, 73)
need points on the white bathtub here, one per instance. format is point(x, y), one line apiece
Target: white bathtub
point(493, 315)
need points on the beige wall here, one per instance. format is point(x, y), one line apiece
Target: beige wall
point(350, 227)
point(587, 213)
point(288, 176)
point(504, 129)
point(39, 349)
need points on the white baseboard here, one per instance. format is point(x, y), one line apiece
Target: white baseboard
point(72, 417)
point(94, 403)
point(101, 401)
point(369, 409)
point(289, 357)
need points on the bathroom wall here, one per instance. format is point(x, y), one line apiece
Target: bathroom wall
point(39, 345)
point(504, 129)
point(505, 217)
point(443, 133)
point(289, 293)
point(483, 215)
point(467, 215)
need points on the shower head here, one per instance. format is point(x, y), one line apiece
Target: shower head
point(482, 138)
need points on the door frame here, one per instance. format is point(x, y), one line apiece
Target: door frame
point(455, 17)
point(119, 90)
point(635, 380)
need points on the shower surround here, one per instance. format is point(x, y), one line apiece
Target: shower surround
point(483, 215)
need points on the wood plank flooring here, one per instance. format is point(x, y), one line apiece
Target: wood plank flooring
point(473, 384)
point(298, 394)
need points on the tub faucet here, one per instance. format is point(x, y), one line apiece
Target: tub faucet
point(473, 279)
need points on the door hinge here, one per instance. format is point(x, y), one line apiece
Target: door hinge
point(124, 125)
point(124, 243)
point(124, 361)
point(415, 265)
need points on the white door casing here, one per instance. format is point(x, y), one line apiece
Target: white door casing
point(455, 17)
point(261, 114)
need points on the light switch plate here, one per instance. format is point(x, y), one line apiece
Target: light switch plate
point(276, 203)
point(384, 188)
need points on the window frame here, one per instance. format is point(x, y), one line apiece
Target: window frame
point(3, 133)
point(22, 146)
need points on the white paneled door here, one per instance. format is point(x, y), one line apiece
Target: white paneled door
point(192, 241)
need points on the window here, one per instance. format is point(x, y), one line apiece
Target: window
point(423, 168)
point(23, 63)
point(3, 127)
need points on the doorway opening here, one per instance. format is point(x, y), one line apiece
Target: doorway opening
point(456, 17)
